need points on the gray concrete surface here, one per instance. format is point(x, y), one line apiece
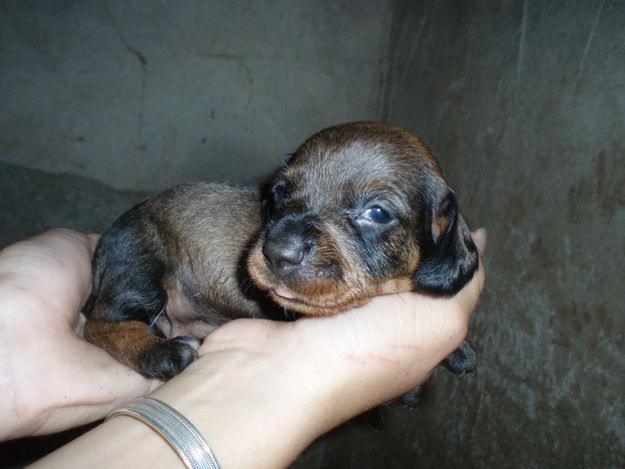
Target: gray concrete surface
point(144, 95)
point(32, 201)
point(523, 102)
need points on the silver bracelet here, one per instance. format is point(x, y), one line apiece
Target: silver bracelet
point(181, 434)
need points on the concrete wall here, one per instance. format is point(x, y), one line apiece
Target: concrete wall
point(147, 94)
point(524, 103)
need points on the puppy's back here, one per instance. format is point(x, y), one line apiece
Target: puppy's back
point(171, 263)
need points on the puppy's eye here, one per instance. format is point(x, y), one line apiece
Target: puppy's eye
point(281, 191)
point(377, 215)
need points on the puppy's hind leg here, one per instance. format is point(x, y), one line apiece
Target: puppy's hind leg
point(132, 343)
point(127, 298)
point(121, 322)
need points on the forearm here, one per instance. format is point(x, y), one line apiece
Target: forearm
point(245, 403)
point(255, 441)
point(119, 442)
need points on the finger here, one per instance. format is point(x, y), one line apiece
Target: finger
point(93, 240)
point(480, 238)
point(53, 268)
point(70, 253)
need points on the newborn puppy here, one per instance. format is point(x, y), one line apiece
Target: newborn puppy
point(360, 210)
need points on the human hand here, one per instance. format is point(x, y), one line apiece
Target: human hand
point(50, 379)
point(262, 391)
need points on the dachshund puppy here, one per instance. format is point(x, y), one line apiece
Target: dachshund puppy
point(361, 209)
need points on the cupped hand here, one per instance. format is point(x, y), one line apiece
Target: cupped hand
point(261, 391)
point(50, 379)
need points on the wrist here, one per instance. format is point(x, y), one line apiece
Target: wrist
point(247, 401)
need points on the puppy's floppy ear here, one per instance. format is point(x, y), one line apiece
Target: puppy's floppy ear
point(266, 202)
point(268, 191)
point(449, 257)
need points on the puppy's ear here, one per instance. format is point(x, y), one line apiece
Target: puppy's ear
point(449, 256)
point(272, 195)
point(266, 202)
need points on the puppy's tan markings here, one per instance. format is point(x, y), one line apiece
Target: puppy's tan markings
point(125, 341)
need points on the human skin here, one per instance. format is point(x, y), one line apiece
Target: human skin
point(50, 379)
point(260, 391)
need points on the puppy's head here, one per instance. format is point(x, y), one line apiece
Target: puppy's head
point(360, 210)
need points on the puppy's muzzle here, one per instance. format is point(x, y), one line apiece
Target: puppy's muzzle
point(287, 246)
point(283, 255)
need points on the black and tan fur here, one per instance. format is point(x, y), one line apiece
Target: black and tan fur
point(360, 209)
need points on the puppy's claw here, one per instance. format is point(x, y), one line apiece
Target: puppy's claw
point(167, 358)
point(190, 341)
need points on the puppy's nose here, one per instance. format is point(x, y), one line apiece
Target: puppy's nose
point(282, 255)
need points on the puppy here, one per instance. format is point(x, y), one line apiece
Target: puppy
point(361, 209)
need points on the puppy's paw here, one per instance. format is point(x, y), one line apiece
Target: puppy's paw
point(411, 399)
point(167, 358)
point(463, 360)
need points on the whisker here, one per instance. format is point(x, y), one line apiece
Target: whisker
point(158, 315)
